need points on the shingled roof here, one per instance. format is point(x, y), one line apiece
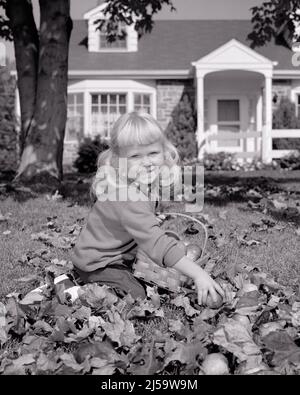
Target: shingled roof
point(172, 45)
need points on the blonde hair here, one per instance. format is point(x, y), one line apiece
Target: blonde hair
point(135, 128)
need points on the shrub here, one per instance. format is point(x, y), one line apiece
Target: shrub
point(289, 162)
point(88, 151)
point(8, 134)
point(181, 130)
point(219, 161)
point(228, 161)
point(284, 117)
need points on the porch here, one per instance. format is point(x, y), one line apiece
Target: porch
point(234, 102)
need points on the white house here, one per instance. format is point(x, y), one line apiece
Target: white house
point(234, 87)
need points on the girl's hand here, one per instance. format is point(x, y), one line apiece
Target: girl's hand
point(205, 285)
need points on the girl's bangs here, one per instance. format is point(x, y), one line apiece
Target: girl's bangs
point(139, 131)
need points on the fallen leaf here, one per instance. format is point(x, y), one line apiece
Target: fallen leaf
point(73, 367)
point(102, 367)
point(183, 301)
point(94, 295)
point(18, 366)
point(184, 353)
point(3, 330)
point(120, 331)
point(28, 278)
point(279, 205)
point(177, 326)
point(32, 298)
point(283, 347)
point(145, 362)
point(237, 339)
point(248, 303)
point(46, 364)
point(222, 214)
point(6, 232)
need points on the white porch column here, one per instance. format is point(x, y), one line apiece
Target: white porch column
point(200, 113)
point(87, 124)
point(267, 138)
point(259, 122)
point(259, 114)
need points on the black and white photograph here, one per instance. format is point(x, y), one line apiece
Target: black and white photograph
point(149, 190)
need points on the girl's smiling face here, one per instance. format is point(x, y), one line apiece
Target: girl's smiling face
point(143, 161)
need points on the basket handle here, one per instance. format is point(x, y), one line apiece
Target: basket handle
point(199, 223)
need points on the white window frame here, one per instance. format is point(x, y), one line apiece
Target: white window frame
point(108, 49)
point(108, 107)
point(129, 87)
point(144, 94)
point(75, 140)
point(129, 101)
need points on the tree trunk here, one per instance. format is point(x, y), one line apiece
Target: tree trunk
point(26, 44)
point(43, 153)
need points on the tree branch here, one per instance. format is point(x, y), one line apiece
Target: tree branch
point(274, 19)
point(128, 11)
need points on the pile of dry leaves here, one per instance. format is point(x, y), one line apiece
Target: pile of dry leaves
point(257, 330)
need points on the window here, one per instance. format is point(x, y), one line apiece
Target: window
point(298, 106)
point(74, 125)
point(106, 109)
point(119, 43)
point(229, 121)
point(142, 102)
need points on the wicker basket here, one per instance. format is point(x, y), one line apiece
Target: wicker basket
point(171, 279)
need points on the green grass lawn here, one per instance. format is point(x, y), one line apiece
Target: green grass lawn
point(275, 249)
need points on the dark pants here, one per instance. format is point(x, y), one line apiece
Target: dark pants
point(118, 276)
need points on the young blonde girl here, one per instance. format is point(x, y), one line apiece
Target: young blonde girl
point(127, 186)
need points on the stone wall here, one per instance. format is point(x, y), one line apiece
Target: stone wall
point(169, 93)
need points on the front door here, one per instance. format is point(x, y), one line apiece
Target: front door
point(229, 118)
point(229, 122)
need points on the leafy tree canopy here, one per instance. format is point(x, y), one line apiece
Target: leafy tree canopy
point(274, 19)
point(5, 31)
point(126, 12)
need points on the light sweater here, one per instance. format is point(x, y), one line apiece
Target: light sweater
point(114, 229)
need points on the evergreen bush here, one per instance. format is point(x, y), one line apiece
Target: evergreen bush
point(8, 134)
point(284, 117)
point(181, 130)
point(88, 151)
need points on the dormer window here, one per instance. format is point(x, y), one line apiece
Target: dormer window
point(119, 43)
point(97, 38)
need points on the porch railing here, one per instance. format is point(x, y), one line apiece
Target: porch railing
point(262, 141)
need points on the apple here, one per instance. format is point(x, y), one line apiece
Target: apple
point(193, 251)
point(214, 305)
point(215, 364)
